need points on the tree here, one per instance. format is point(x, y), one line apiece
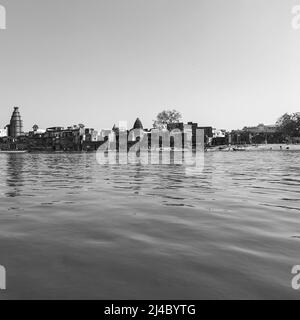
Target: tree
point(166, 117)
point(289, 125)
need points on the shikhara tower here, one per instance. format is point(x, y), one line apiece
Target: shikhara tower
point(16, 124)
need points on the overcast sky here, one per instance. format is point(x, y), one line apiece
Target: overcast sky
point(227, 64)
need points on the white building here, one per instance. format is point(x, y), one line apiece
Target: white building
point(217, 133)
point(39, 131)
point(3, 132)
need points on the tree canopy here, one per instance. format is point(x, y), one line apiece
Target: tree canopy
point(167, 117)
point(289, 124)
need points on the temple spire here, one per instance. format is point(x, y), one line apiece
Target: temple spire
point(16, 124)
point(138, 124)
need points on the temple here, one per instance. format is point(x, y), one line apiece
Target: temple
point(15, 128)
point(138, 124)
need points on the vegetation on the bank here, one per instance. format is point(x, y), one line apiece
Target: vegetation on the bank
point(289, 125)
point(166, 117)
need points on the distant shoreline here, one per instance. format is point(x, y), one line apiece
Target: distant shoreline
point(221, 148)
point(259, 147)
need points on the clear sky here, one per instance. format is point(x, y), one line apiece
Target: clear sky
point(227, 64)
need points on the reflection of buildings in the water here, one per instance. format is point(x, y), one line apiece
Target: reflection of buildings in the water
point(67, 170)
point(188, 170)
point(14, 174)
point(138, 179)
point(161, 172)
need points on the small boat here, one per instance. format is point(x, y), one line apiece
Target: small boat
point(13, 151)
point(238, 149)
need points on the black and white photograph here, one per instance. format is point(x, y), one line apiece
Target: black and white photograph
point(149, 151)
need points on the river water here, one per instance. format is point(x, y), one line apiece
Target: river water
point(73, 229)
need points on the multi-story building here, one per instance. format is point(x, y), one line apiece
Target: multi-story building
point(256, 135)
point(217, 133)
point(220, 137)
point(208, 131)
point(90, 135)
point(261, 128)
point(56, 139)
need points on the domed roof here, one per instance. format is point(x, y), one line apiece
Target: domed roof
point(138, 124)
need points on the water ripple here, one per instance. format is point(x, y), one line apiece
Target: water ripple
point(70, 228)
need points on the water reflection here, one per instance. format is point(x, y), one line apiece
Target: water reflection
point(149, 231)
point(14, 174)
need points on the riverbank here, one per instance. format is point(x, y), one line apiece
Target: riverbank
point(260, 147)
point(222, 148)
